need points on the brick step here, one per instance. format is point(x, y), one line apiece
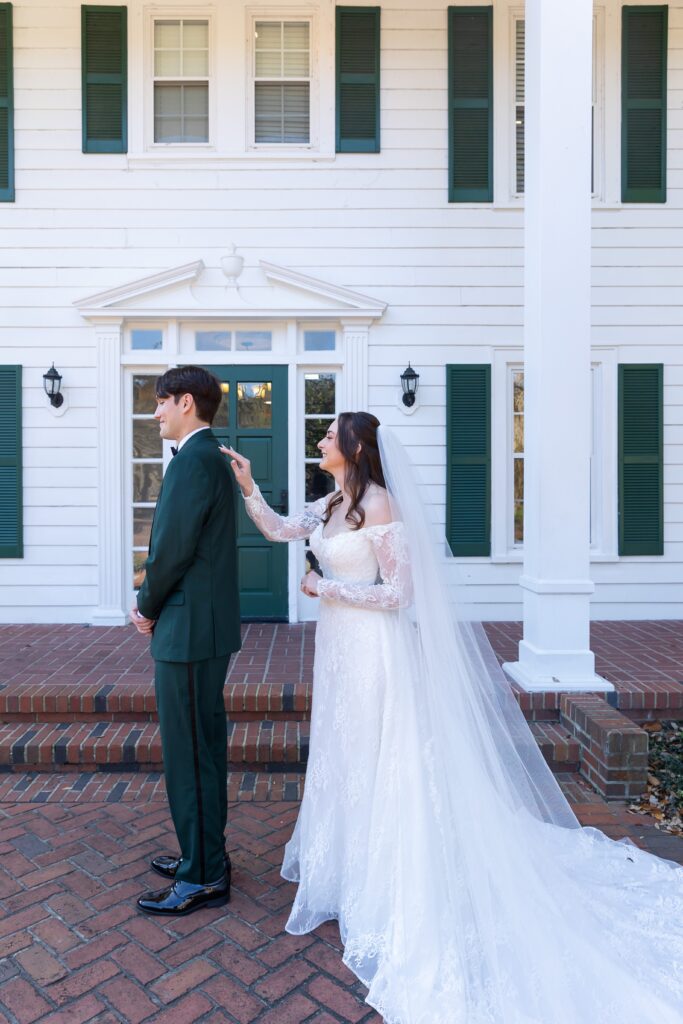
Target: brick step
point(560, 749)
point(92, 746)
point(135, 702)
point(252, 746)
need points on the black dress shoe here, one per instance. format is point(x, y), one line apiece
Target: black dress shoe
point(167, 866)
point(184, 898)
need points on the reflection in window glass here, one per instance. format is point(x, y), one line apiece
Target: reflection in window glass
point(315, 430)
point(212, 341)
point(253, 341)
point(144, 398)
point(222, 417)
point(146, 440)
point(318, 483)
point(319, 341)
point(147, 338)
point(147, 468)
point(518, 454)
point(319, 393)
point(319, 411)
point(254, 404)
point(146, 481)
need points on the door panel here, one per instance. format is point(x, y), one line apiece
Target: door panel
point(252, 419)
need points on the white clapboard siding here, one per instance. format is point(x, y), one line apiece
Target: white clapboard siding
point(377, 223)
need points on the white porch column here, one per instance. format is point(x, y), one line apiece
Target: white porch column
point(111, 610)
point(555, 652)
point(355, 394)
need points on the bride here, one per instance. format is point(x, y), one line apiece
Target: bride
point(431, 828)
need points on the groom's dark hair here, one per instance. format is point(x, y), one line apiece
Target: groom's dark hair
point(195, 381)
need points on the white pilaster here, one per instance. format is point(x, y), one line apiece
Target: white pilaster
point(355, 392)
point(555, 652)
point(111, 610)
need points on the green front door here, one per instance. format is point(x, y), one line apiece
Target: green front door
point(252, 419)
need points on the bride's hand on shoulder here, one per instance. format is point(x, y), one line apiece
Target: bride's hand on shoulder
point(309, 583)
point(241, 467)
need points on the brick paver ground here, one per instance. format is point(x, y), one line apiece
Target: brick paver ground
point(74, 854)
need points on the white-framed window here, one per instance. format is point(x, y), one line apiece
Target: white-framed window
point(320, 401)
point(181, 76)
point(515, 449)
point(240, 340)
point(318, 338)
point(517, 113)
point(282, 80)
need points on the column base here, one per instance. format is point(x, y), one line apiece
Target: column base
point(108, 617)
point(556, 671)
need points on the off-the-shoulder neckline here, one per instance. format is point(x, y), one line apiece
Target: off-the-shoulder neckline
point(363, 529)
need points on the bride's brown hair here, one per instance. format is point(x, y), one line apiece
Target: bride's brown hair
point(362, 467)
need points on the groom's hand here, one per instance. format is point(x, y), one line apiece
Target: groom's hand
point(143, 625)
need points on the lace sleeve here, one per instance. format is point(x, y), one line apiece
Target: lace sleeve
point(277, 527)
point(395, 589)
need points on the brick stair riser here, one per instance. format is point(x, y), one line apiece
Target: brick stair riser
point(613, 749)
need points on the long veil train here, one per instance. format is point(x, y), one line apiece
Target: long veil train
point(485, 901)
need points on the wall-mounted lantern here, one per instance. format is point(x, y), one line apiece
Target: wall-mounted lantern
point(409, 383)
point(52, 382)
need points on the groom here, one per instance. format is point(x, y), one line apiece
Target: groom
point(189, 605)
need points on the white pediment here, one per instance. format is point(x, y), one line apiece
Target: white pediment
point(197, 291)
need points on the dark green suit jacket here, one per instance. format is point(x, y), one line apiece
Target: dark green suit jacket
point(190, 586)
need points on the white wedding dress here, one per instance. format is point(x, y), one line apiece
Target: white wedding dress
point(466, 891)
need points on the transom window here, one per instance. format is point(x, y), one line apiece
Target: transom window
point(233, 341)
point(282, 82)
point(181, 81)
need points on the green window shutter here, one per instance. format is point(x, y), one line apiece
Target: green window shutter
point(643, 104)
point(468, 458)
point(104, 79)
point(358, 79)
point(11, 518)
point(6, 106)
point(641, 459)
point(470, 104)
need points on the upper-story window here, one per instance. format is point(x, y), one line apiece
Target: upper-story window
point(181, 81)
point(519, 105)
point(282, 82)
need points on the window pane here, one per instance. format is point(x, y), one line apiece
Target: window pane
point(146, 440)
point(296, 64)
point(518, 432)
point(315, 430)
point(222, 417)
point(519, 500)
point(144, 399)
point(319, 341)
point(254, 404)
point(319, 393)
point(318, 483)
point(167, 63)
point(253, 341)
point(142, 526)
point(146, 482)
point(147, 339)
point(195, 63)
point(518, 392)
point(195, 35)
point(167, 34)
point(282, 113)
point(139, 559)
point(268, 64)
point(296, 112)
point(189, 105)
point(269, 35)
point(212, 341)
